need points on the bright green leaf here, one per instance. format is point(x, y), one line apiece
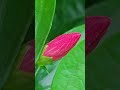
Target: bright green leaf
point(44, 12)
point(70, 74)
point(44, 79)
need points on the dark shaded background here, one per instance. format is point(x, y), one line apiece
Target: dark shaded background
point(103, 63)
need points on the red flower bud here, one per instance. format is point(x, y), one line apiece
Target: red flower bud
point(28, 60)
point(61, 45)
point(96, 26)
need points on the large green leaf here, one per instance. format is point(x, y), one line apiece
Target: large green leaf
point(15, 18)
point(69, 14)
point(44, 12)
point(70, 74)
point(45, 79)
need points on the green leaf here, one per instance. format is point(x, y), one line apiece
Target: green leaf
point(44, 12)
point(60, 25)
point(70, 74)
point(19, 75)
point(44, 79)
point(15, 18)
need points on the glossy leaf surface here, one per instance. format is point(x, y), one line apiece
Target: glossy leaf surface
point(70, 74)
point(44, 12)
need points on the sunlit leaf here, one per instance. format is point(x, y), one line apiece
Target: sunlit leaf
point(44, 12)
point(70, 74)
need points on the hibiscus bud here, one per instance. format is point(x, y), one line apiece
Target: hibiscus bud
point(96, 26)
point(28, 59)
point(61, 45)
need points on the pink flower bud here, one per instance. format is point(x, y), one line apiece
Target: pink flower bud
point(96, 26)
point(28, 60)
point(61, 45)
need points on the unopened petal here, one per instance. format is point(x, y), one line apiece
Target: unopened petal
point(61, 45)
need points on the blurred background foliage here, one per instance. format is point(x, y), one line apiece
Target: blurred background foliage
point(102, 65)
point(89, 3)
point(68, 14)
point(15, 19)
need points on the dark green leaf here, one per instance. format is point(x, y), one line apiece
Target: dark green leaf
point(103, 65)
point(15, 18)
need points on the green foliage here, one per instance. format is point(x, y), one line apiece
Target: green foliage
point(70, 74)
point(44, 80)
point(104, 72)
point(44, 12)
point(68, 15)
point(102, 65)
point(15, 18)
